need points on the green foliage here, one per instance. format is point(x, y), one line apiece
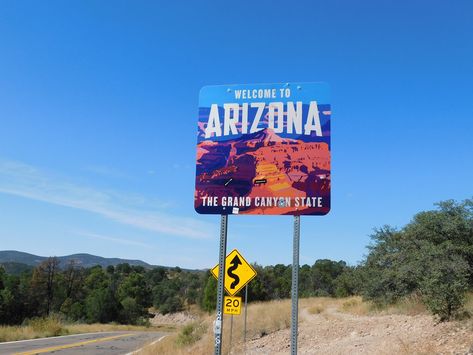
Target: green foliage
point(100, 306)
point(176, 289)
point(348, 283)
point(432, 255)
point(324, 273)
point(135, 287)
point(171, 305)
point(444, 288)
point(131, 311)
point(190, 333)
point(209, 301)
point(13, 299)
point(113, 294)
point(14, 268)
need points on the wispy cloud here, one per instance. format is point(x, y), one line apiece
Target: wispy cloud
point(106, 171)
point(24, 180)
point(113, 239)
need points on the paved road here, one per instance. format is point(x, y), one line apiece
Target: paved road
point(106, 343)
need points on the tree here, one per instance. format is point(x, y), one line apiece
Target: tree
point(348, 283)
point(101, 306)
point(324, 273)
point(12, 300)
point(44, 282)
point(209, 301)
point(432, 255)
point(134, 297)
point(444, 286)
point(131, 311)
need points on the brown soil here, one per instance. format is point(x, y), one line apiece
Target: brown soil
point(334, 332)
point(177, 319)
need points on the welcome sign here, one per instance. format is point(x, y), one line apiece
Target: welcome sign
point(263, 149)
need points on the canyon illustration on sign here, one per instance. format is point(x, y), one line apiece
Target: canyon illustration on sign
point(263, 149)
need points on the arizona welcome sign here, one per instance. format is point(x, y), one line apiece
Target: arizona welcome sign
point(263, 149)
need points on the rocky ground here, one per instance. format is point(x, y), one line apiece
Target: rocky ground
point(177, 319)
point(335, 332)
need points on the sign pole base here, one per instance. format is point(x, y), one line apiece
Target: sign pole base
point(295, 283)
point(231, 334)
point(218, 324)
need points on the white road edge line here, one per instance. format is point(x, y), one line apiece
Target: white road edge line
point(152, 343)
point(60, 336)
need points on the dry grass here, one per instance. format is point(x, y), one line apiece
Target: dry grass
point(410, 306)
point(317, 305)
point(315, 310)
point(263, 318)
point(92, 328)
point(268, 317)
point(356, 306)
point(53, 326)
point(469, 303)
point(35, 328)
point(196, 338)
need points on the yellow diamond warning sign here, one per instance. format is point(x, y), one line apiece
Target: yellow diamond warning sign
point(238, 272)
point(232, 305)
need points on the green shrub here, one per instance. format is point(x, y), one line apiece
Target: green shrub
point(190, 334)
point(444, 287)
point(209, 301)
point(171, 305)
point(131, 311)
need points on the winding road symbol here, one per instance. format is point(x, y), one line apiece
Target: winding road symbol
point(234, 265)
point(238, 272)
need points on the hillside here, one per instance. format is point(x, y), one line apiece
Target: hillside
point(7, 257)
point(326, 326)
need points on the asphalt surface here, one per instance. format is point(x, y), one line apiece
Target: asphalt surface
point(105, 343)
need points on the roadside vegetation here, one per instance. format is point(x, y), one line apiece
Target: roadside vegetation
point(55, 326)
point(266, 318)
point(427, 263)
point(121, 294)
point(425, 266)
point(263, 318)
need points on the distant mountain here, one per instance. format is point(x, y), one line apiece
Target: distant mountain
point(15, 268)
point(12, 257)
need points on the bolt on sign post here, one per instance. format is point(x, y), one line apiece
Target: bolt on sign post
point(263, 149)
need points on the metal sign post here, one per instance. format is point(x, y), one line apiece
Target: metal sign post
point(283, 125)
point(295, 283)
point(246, 308)
point(231, 334)
point(218, 324)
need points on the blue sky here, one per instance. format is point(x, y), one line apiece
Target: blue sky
point(98, 113)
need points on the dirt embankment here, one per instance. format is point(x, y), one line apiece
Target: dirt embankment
point(335, 332)
point(174, 319)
